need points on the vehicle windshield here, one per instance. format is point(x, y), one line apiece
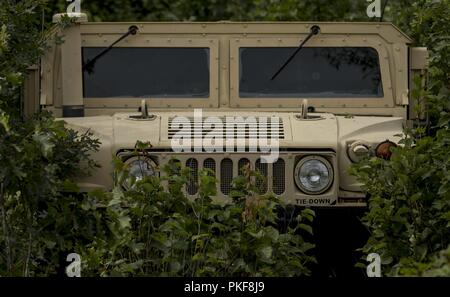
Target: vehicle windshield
point(126, 72)
point(316, 72)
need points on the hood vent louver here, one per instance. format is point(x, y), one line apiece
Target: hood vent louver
point(239, 129)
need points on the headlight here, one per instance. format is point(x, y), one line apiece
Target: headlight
point(313, 175)
point(139, 167)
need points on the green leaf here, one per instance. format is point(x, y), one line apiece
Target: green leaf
point(124, 221)
point(307, 228)
point(265, 252)
point(45, 144)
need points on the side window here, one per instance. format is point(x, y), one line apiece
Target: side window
point(139, 72)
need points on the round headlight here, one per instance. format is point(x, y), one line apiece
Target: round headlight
point(140, 168)
point(313, 175)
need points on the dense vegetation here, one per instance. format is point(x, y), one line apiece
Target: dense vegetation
point(120, 233)
point(409, 205)
point(149, 230)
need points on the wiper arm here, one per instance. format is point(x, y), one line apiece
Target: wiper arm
point(89, 66)
point(314, 31)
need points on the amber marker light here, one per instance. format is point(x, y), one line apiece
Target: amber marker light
point(383, 149)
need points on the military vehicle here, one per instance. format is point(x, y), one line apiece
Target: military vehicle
point(342, 94)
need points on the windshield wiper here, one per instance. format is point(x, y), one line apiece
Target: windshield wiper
point(90, 64)
point(314, 31)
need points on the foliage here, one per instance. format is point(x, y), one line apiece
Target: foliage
point(427, 22)
point(39, 157)
point(409, 202)
point(216, 10)
point(21, 45)
point(162, 232)
point(409, 197)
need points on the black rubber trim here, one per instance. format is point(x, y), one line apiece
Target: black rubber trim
point(73, 111)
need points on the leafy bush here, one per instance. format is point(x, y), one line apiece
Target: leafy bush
point(409, 202)
point(38, 156)
point(161, 232)
point(217, 10)
point(21, 45)
point(409, 196)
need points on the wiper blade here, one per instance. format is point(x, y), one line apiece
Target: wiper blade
point(90, 64)
point(314, 31)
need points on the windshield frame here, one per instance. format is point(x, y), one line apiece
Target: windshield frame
point(143, 41)
point(387, 100)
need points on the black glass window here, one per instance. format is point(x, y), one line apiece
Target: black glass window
point(147, 72)
point(315, 72)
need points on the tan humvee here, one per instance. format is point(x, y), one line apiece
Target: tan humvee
point(356, 78)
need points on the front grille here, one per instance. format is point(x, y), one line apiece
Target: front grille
point(239, 129)
point(276, 178)
point(228, 169)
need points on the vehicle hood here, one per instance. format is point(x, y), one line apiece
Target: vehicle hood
point(324, 131)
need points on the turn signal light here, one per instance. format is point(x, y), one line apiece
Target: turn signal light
point(383, 149)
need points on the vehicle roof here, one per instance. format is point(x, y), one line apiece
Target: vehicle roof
point(387, 30)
